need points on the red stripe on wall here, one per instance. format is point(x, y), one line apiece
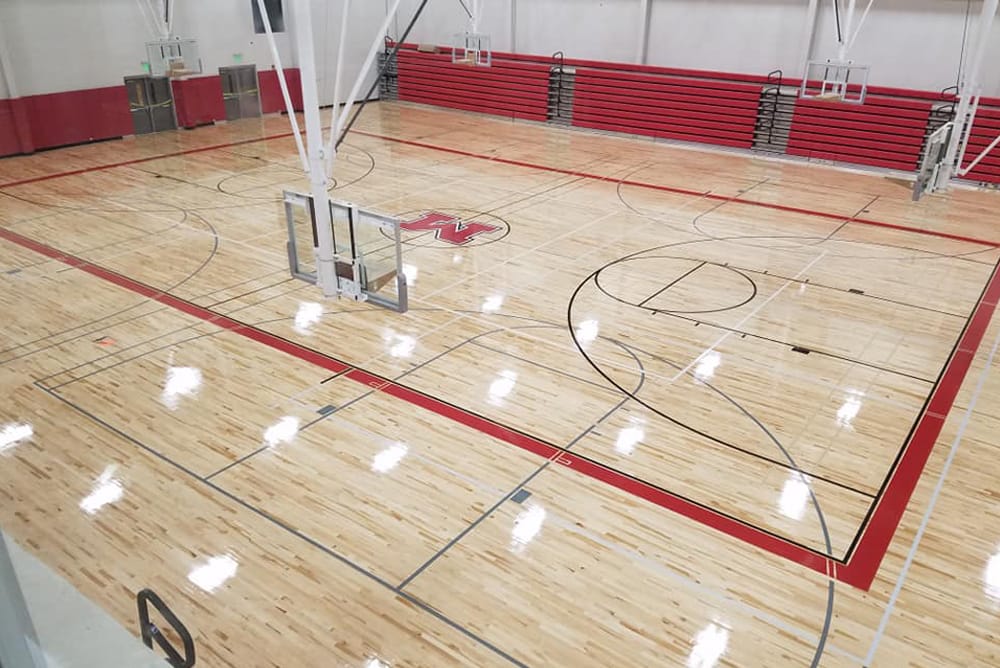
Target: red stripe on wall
point(77, 116)
point(9, 142)
point(271, 100)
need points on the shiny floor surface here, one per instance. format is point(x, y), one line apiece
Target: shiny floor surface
point(650, 405)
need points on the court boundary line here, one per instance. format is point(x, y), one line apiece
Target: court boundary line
point(859, 570)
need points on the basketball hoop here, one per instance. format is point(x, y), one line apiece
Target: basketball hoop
point(173, 57)
point(472, 49)
point(839, 81)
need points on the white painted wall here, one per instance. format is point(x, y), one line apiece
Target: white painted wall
point(57, 45)
point(908, 43)
point(591, 29)
point(365, 19)
point(60, 45)
point(443, 19)
point(727, 35)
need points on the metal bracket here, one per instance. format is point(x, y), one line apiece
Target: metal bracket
point(151, 633)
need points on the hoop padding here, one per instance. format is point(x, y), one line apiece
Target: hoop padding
point(882, 132)
point(698, 110)
point(511, 89)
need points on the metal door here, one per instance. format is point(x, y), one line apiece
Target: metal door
point(249, 93)
point(138, 103)
point(151, 102)
point(239, 91)
point(162, 107)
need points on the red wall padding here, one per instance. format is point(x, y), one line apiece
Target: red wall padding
point(9, 144)
point(73, 117)
point(507, 88)
point(271, 100)
point(198, 101)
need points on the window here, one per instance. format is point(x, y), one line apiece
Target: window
point(274, 12)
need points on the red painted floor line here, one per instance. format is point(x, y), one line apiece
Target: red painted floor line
point(519, 163)
point(136, 161)
point(859, 571)
point(877, 534)
point(683, 191)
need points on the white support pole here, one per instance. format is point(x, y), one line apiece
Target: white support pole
point(642, 44)
point(283, 84)
point(968, 95)
point(477, 6)
point(513, 26)
point(6, 70)
point(170, 7)
point(845, 30)
point(331, 149)
point(979, 158)
point(369, 59)
point(808, 36)
point(146, 9)
point(326, 274)
point(861, 23)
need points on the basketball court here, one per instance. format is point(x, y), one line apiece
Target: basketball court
point(596, 400)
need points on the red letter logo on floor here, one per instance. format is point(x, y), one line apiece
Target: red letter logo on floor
point(448, 228)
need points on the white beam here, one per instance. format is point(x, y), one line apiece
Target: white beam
point(331, 152)
point(861, 23)
point(808, 35)
point(845, 30)
point(283, 84)
point(513, 26)
point(326, 275)
point(642, 44)
point(6, 69)
point(979, 158)
point(369, 59)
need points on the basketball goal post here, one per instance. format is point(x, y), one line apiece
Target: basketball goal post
point(969, 92)
point(340, 268)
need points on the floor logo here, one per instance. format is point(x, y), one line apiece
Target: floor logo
point(453, 230)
